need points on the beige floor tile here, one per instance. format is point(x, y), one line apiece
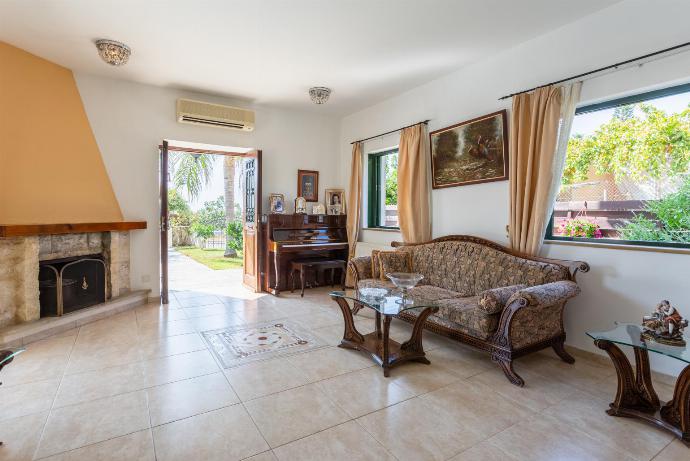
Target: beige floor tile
point(328, 362)
point(196, 301)
point(318, 320)
point(27, 369)
point(637, 438)
point(177, 367)
point(20, 436)
point(539, 391)
point(583, 374)
point(160, 315)
point(674, 451)
point(171, 345)
point(26, 399)
point(207, 310)
point(462, 361)
point(483, 451)
point(83, 424)
point(606, 388)
point(189, 397)
point(340, 443)
point(413, 430)
point(221, 435)
point(372, 390)
point(476, 406)
point(137, 446)
point(90, 358)
point(259, 314)
point(543, 438)
point(150, 331)
point(265, 456)
point(293, 414)
point(257, 379)
point(52, 346)
point(333, 334)
point(419, 378)
point(93, 385)
point(215, 322)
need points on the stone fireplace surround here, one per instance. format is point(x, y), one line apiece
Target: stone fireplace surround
point(20, 256)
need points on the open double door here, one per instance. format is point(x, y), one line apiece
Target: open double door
point(251, 214)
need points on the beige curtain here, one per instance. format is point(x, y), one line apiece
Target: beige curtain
point(354, 203)
point(533, 136)
point(414, 185)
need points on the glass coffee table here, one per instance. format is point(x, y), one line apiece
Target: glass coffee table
point(378, 344)
point(636, 396)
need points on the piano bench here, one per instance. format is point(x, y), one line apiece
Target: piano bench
point(318, 266)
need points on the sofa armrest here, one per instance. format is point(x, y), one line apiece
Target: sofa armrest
point(360, 267)
point(547, 294)
point(494, 300)
point(573, 266)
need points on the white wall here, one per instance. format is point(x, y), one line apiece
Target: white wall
point(623, 284)
point(130, 120)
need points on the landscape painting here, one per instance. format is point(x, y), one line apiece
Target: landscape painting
point(470, 152)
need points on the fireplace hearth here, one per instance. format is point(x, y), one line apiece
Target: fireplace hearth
point(70, 284)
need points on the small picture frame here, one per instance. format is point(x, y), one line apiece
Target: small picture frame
point(318, 209)
point(335, 197)
point(277, 203)
point(334, 209)
point(308, 185)
point(300, 205)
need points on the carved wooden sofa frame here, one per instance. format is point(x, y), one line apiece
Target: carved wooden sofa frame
point(500, 345)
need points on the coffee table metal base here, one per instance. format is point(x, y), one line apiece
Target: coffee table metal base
point(383, 350)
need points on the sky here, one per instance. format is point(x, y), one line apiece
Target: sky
point(586, 124)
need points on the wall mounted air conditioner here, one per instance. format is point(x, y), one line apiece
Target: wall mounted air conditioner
point(204, 113)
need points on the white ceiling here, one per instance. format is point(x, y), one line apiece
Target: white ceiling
point(271, 51)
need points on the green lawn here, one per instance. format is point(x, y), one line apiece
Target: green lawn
point(211, 258)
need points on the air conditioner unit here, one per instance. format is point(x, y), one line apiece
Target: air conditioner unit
point(204, 113)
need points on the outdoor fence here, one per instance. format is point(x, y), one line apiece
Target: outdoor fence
point(609, 215)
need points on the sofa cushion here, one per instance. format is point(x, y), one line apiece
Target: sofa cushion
point(432, 293)
point(394, 261)
point(498, 269)
point(462, 314)
point(494, 300)
point(375, 263)
point(449, 265)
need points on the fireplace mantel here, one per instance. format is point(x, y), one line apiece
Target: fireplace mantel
point(25, 230)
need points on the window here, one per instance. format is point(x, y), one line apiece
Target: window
point(627, 172)
point(382, 203)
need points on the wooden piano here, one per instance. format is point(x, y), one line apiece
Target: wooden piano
point(299, 236)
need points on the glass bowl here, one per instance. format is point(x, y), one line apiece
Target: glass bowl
point(404, 280)
point(374, 294)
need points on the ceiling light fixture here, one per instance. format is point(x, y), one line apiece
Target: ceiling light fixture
point(112, 52)
point(319, 94)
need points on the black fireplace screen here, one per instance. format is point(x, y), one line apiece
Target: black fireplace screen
point(70, 284)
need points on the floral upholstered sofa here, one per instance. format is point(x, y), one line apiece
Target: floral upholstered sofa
point(490, 297)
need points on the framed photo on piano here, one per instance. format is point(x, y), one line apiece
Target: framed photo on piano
point(308, 185)
point(335, 201)
point(277, 202)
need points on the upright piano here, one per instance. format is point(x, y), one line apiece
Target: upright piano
point(299, 236)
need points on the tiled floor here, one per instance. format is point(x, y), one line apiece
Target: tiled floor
point(143, 386)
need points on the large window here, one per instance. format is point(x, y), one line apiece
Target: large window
point(627, 172)
point(382, 190)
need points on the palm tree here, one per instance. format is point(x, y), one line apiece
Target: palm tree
point(191, 172)
point(229, 189)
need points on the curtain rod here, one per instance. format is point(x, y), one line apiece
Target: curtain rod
point(601, 69)
point(389, 132)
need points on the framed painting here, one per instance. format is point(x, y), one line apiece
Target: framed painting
point(470, 152)
point(308, 185)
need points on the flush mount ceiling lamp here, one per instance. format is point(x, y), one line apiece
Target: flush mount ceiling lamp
point(112, 52)
point(319, 94)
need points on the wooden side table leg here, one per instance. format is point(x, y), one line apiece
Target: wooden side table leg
point(301, 278)
point(630, 395)
point(413, 346)
point(351, 337)
point(677, 410)
point(385, 357)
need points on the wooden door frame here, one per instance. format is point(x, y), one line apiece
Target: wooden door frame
point(164, 150)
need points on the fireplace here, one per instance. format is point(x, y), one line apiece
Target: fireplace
point(69, 284)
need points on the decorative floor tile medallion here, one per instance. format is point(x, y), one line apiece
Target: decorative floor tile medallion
point(261, 341)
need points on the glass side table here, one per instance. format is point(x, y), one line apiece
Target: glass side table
point(6, 356)
point(636, 396)
point(383, 350)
